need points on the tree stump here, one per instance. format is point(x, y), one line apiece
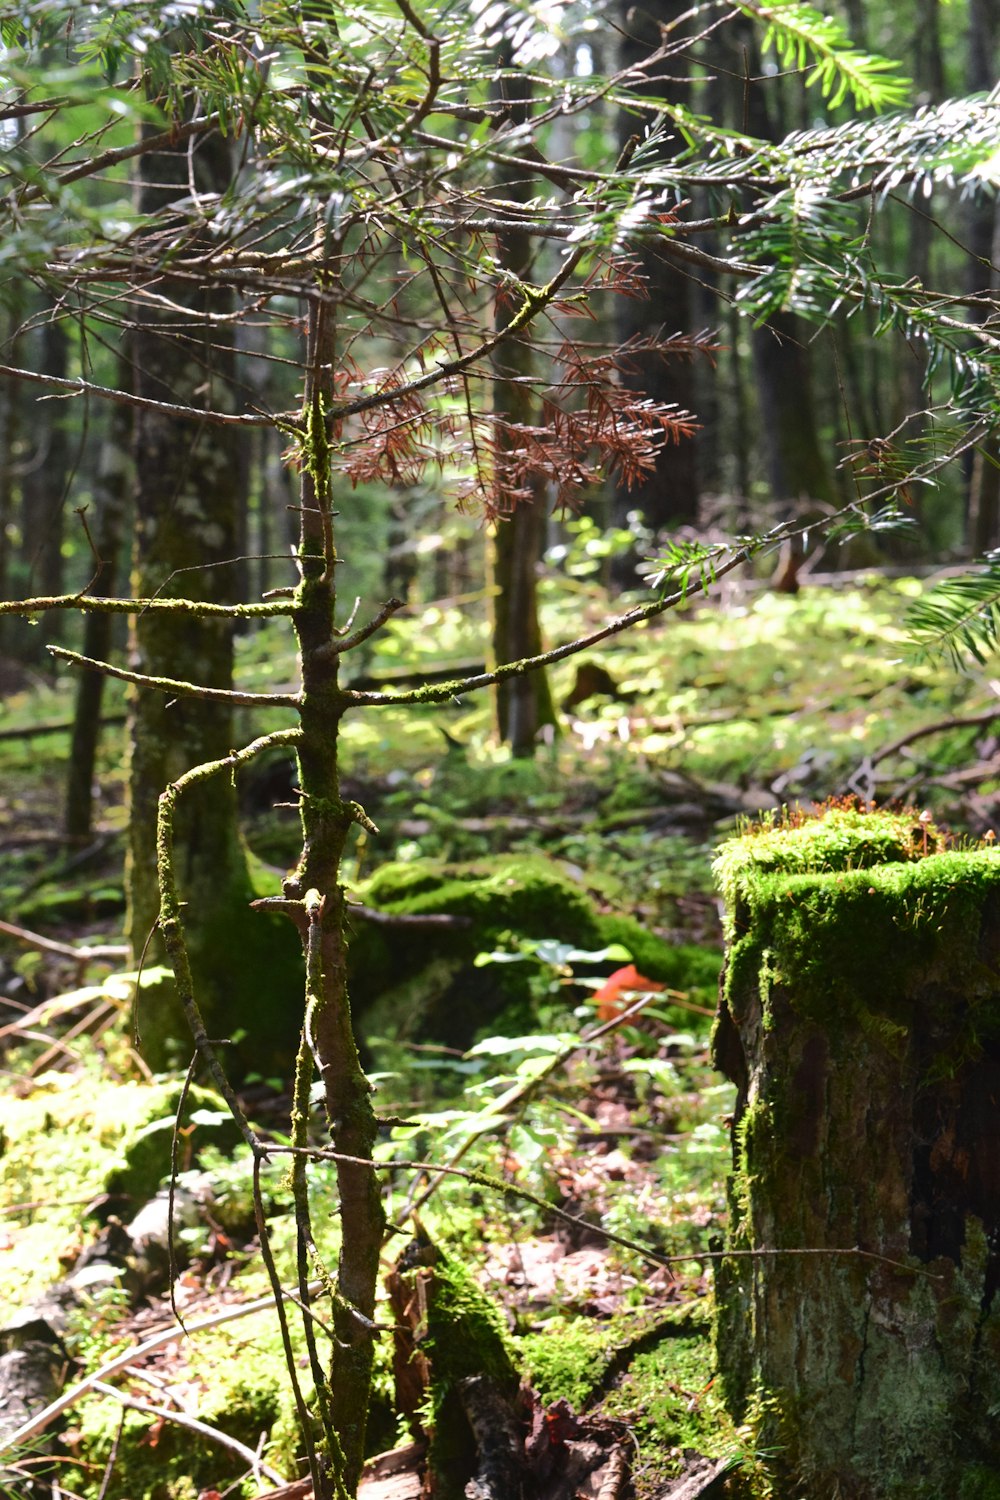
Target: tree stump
point(858, 1326)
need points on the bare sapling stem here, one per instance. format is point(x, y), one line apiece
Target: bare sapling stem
point(326, 825)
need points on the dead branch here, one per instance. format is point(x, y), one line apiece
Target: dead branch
point(940, 726)
point(83, 954)
point(181, 1419)
point(70, 1397)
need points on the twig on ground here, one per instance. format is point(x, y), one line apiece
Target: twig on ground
point(68, 1398)
point(973, 721)
point(83, 954)
point(615, 1474)
point(192, 1424)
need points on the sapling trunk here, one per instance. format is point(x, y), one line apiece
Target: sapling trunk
point(326, 823)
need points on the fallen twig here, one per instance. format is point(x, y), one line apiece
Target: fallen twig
point(973, 721)
point(82, 954)
point(615, 1474)
point(181, 1419)
point(70, 1397)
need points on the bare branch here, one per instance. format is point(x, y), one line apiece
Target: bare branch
point(81, 387)
point(97, 604)
point(191, 1424)
point(133, 1356)
point(387, 610)
point(177, 686)
point(443, 692)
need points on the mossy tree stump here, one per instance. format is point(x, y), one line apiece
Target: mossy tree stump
point(860, 1019)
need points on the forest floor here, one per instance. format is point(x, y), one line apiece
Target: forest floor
point(598, 1126)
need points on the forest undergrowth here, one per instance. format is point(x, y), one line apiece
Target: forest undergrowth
point(609, 1135)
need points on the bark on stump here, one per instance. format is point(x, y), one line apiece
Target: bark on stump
point(860, 1019)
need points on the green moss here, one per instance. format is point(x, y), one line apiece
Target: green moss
point(75, 1138)
point(249, 977)
point(979, 1483)
point(669, 1401)
point(860, 1020)
point(874, 939)
point(569, 1360)
point(505, 898)
point(839, 839)
point(528, 895)
point(653, 1373)
point(239, 1386)
point(143, 1158)
point(465, 1333)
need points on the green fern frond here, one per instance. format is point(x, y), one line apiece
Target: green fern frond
point(805, 38)
point(960, 618)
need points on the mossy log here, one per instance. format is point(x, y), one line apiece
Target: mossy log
point(858, 1327)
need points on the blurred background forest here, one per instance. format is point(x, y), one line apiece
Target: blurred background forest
point(502, 328)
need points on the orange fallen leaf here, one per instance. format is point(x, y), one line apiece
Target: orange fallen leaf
point(613, 996)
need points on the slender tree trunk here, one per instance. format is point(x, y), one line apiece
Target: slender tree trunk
point(983, 238)
point(669, 498)
point(523, 704)
point(326, 823)
point(12, 393)
point(799, 471)
point(44, 486)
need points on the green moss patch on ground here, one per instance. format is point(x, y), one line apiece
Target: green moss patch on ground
point(232, 1379)
point(652, 1372)
point(69, 1143)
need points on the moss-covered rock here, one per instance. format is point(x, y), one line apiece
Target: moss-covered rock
point(493, 904)
point(860, 1019)
point(144, 1152)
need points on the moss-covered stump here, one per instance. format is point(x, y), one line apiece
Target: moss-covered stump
point(408, 979)
point(451, 1360)
point(860, 1019)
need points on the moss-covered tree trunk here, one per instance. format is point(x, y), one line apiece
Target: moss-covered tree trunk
point(327, 819)
point(858, 1323)
point(187, 502)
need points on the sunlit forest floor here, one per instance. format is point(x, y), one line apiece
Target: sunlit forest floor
point(710, 716)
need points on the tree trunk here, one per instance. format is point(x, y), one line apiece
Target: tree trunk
point(187, 505)
point(327, 821)
point(797, 468)
point(669, 497)
point(44, 485)
point(983, 239)
point(12, 396)
point(110, 487)
point(523, 704)
point(858, 1324)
